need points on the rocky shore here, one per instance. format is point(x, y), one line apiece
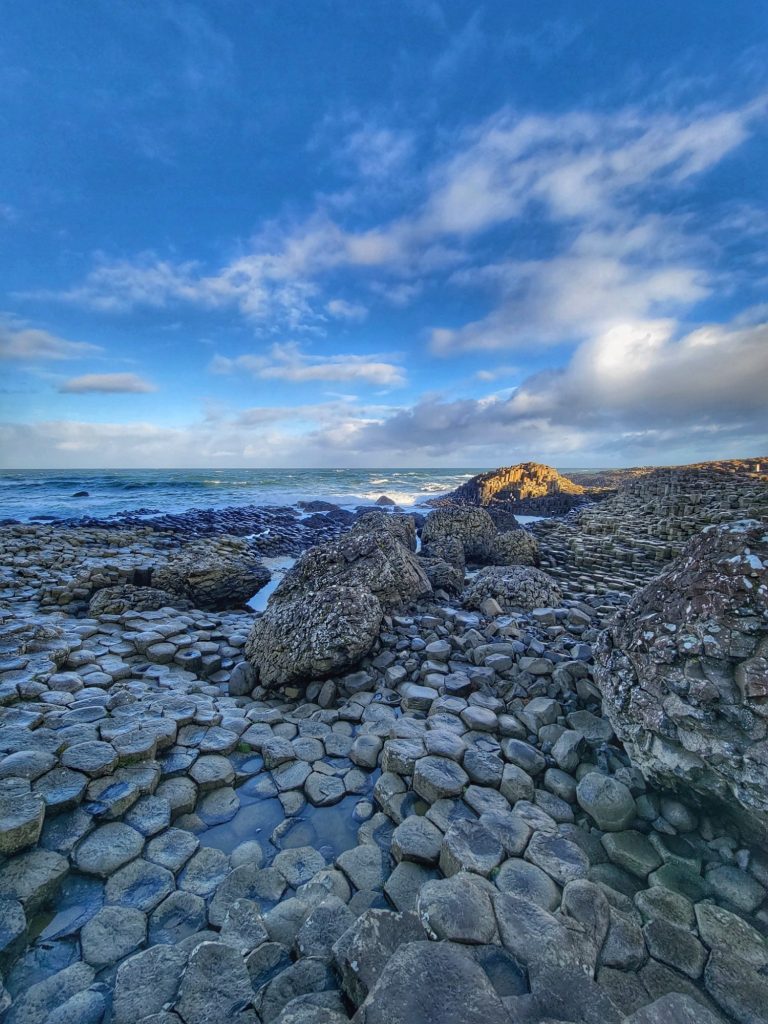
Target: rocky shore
point(455, 771)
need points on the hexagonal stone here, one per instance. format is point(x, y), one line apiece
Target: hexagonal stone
point(367, 867)
point(516, 784)
point(13, 930)
point(290, 776)
point(363, 950)
point(21, 816)
point(675, 946)
point(110, 797)
point(681, 880)
point(204, 872)
point(179, 915)
point(299, 865)
point(266, 962)
point(674, 1008)
point(308, 975)
point(94, 758)
point(457, 909)
point(149, 815)
point(522, 754)
point(559, 857)
point(32, 878)
point(108, 848)
point(35, 1004)
point(720, 929)
point(661, 902)
point(435, 778)
point(248, 881)
point(324, 790)
point(607, 801)
point(518, 877)
point(512, 831)
point(61, 789)
point(26, 764)
point(365, 751)
point(324, 925)
point(470, 846)
point(172, 848)
point(737, 988)
point(483, 767)
point(277, 750)
point(181, 794)
point(416, 839)
point(218, 806)
point(485, 800)
point(414, 987)
point(736, 888)
point(632, 851)
point(400, 755)
point(135, 745)
point(212, 771)
point(111, 934)
point(403, 885)
point(479, 719)
point(140, 885)
point(147, 982)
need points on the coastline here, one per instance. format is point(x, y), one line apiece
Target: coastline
point(170, 811)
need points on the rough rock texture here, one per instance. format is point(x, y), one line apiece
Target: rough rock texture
point(129, 598)
point(321, 633)
point(526, 487)
point(376, 559)
point(684, 673)
point(515, 547)
point(216, 574)
point(473, 528)
point(513, 587)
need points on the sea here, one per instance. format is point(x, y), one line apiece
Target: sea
point(25, 494)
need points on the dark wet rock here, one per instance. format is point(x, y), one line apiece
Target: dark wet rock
point(684, 673)
point(608, 801)
point(674, 1008)
point(737, 988)
point(34, 1005)
point(306, 976)
point(567, 993)
point(514, 547)
point(180, 915)
point(473, 528)
point(518, 877)
point(433, 983)
point(361, 952)
point(108, 848)
point(32, 878)
point(224, 573)
point(324, 925)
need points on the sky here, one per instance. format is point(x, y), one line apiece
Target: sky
point(383, 233)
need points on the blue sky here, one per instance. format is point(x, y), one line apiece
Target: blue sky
point(408, 232)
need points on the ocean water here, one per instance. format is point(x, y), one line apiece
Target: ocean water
point(24, 494)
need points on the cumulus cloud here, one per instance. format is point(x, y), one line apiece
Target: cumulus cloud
point(33, 344)
point(288, 362)
point(107, 383)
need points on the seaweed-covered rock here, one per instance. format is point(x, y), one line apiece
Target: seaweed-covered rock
point(319, 633)
point(684, 673)
point(215, 574)
point(513, 587)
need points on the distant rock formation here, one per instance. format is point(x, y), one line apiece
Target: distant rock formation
point(528, 487)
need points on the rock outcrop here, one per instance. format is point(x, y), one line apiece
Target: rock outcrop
point(684, 673)
point(216, 574)
point(528, 487)
point(326, 612)
point(512, 587)
point(462, 533)
point(127, 597)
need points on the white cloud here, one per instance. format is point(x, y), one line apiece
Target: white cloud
point(343, 310)
point(107, 383)
point(288, 362)
point(33, 344)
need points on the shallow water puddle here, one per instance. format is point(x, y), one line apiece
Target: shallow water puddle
point(278, 566)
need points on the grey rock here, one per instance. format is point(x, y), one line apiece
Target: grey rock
point(457, 909)
point(361, 952)
point(608, 801)
point(216, 987)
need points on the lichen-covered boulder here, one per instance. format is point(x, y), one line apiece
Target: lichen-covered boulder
point(515, 547)
point(375, 559)
point(472, 527)
point(128, 598)
point(513, 586)
point(684, 674)
point(318, 633)
point(218, 573)
point(442, 575)
point(400, 526)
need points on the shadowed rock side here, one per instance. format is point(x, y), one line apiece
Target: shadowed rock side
point(224, 573)
point(684, 673)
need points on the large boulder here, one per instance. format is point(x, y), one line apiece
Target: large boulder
point(513, 586)
point(318, 633)
point(684, 674)
point(472, 527)
point(371, 555)
point(515, 547)
point(214, 574)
